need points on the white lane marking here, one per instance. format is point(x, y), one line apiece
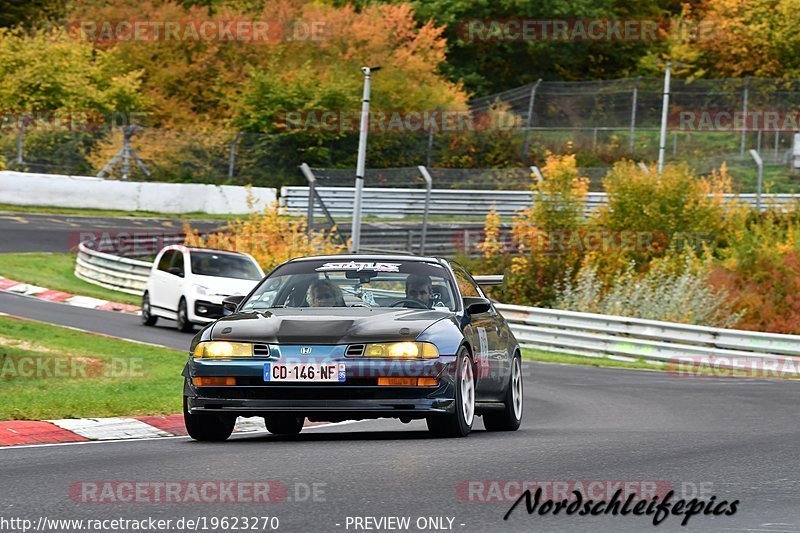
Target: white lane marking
point(110, 428)
point(55, 444)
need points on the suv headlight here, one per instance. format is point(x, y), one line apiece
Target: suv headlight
point(222, 350)
point(402, 350)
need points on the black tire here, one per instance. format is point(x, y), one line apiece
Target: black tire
point(147, 317)
point(284, 424)
point(208, 427)
point(510, 417)
point(459, 423)
point(182, 319)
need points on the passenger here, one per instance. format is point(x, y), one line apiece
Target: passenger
point(323, 293)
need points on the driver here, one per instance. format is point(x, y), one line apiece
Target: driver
point(323, 293)
point(419, 288)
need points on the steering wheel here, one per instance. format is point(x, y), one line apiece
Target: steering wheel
point(416, 304)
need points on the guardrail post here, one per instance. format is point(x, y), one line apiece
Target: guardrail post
point(429, 186)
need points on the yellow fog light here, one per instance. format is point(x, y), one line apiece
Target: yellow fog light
point(402, 350)
point(223, 350)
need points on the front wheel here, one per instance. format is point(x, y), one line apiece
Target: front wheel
point(183, 318)
point(459, 423)
point(210, 427)
point(284, 425)
point(510, 417)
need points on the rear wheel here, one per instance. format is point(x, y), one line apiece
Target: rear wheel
point(458, 424)
point(510, 417)
point(211, 427)
point(284, 425)
point(183, 318)
point(147, 316)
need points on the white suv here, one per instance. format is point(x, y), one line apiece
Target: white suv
point(188, 284)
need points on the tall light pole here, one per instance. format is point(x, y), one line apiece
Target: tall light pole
point(662, 144)
point(355, 233)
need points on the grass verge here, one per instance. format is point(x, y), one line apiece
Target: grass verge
point(51, 372)
point(56, 271)
point(568, 359)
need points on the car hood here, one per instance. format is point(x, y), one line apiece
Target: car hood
point(326, 326)
point(226, 286)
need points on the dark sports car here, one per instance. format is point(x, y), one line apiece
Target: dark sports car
point(350, 337)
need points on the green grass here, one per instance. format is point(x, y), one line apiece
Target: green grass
point(567, 359)
point(142, 379)
point(112, 213)
point(56, 271)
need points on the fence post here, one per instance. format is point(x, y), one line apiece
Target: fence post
point(232, 160)
point(633, 113)
point(429, 184)
point(662, 144)
point(21, 139)
point(760, 165)
point(312, 180)
point(529, 120)
point(744, 117)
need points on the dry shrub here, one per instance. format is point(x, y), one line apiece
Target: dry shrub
point(270, 236)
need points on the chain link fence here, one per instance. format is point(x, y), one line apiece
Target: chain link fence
point(600, 121)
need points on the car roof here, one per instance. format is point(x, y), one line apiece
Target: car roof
point(370, 257)
point(196, 249)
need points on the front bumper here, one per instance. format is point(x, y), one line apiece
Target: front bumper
point(359, 396)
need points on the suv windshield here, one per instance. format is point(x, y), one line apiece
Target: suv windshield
point(366, 283)
point(223, 265)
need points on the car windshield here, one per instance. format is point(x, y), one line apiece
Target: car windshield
point(222, 265)
point(363, 283)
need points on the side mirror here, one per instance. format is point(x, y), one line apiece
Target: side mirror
point(176, 271)
point(230, 303)
point(475, 305)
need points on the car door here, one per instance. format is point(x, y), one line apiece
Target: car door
point(175, 280)
point(485, 332)
point(160, 278)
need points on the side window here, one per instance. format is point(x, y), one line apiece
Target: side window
point(466, 286)
point(166, 259)
point(177, 262)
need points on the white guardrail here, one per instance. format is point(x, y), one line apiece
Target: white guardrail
point(400, 203)
point(629, 339)
point(112, 271)
point(586, 334)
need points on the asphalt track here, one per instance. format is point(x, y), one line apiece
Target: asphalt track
point(23, 232)
point(735, 439)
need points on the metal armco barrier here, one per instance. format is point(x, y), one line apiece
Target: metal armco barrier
point(112, 271)
point(627, 338)
point(401, 203)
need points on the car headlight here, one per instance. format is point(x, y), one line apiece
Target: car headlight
point(402, 350)
point(223, 350)
point(200, 289)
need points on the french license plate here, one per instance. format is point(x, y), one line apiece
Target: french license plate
point(334, 372)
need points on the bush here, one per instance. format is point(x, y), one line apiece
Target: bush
point(270, 237)
point(683, 296)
